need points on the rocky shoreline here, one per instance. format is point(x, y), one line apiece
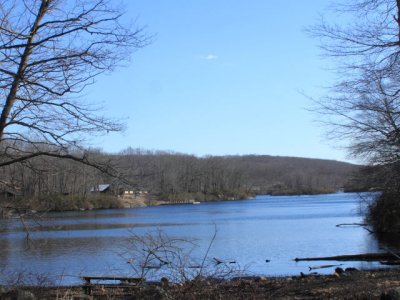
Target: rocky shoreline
point(372, 284)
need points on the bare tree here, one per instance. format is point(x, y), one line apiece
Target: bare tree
point(156, 254)
point(50, 50)
point(363, 106)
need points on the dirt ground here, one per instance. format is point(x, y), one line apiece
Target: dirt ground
point(377, 284)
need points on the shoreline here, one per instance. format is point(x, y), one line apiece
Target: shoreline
point(363, 284)
point(114, 202)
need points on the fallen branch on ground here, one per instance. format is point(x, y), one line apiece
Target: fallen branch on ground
point(353, 257)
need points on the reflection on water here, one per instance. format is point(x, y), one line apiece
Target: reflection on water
point(274, 229)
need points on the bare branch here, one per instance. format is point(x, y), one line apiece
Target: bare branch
point(49, 51)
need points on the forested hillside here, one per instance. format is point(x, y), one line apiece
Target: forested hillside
point(293, 175)
point(177, 177)
point(170, 176)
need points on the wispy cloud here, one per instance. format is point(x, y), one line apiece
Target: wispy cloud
point(211, 57)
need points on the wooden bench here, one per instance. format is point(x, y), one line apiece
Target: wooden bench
point(105, 282)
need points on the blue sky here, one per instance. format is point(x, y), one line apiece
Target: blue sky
point(221, 77)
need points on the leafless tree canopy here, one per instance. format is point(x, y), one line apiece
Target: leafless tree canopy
point(50, 50)
point(363, 106)
point(369, 33)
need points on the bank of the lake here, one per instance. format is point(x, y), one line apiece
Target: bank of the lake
point(98, 201)
point(376, 284)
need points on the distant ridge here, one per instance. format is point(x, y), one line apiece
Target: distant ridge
point(294, 175)
point(177, 175)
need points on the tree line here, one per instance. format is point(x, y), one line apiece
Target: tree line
point(174, 177)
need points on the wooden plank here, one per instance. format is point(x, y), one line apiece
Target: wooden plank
point(88, 286)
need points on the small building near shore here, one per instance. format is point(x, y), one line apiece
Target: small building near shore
point(101, 188)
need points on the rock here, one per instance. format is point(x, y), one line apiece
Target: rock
point(350, 270)
point(339, 270)
point(262, 278)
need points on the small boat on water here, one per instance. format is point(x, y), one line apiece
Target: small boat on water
point(196, 202)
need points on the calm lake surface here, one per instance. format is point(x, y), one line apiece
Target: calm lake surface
point(274, 228)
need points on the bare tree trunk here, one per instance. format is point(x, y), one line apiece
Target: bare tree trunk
point(19, 76)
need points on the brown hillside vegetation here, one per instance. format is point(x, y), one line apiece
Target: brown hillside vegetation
point(225, 177)
point(294, 175)
point(174, 177)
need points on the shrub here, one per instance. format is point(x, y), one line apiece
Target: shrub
point(57, 202)
point(384, 213)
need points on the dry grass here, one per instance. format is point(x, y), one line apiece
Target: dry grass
point(358, 285)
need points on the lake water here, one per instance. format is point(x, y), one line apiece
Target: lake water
point(250, 232)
